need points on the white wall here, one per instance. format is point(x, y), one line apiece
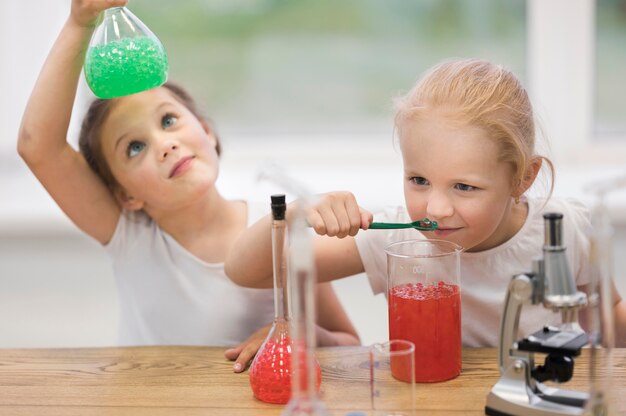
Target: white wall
point(27, 31)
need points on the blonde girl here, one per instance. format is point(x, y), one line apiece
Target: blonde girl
point(467, 137)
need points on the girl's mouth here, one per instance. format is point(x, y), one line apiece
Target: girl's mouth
point(442, 232)
point(181, 166)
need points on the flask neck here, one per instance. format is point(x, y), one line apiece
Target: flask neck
point(279, 235)
point(116, 9)
point(113, 11)
point(116, 24)
point(280, 281)
point(279, 256)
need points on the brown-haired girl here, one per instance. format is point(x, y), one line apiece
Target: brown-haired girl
point(143, 185)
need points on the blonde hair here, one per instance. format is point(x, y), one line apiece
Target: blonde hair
point(482, 94)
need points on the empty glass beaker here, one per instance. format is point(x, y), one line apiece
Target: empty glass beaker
point(124, 57)
point(424, 298)
point(390, 396)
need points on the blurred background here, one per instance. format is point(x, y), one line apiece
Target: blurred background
point(307, 85)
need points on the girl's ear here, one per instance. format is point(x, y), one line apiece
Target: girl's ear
point(126, 201)
point(209, 131)
point(529, 177)
point(206, 127)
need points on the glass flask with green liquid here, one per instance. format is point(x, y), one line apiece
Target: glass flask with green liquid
point(124, 57)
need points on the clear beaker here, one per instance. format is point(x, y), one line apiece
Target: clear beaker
point(389, 395)
point(306, 373)
point(424, 298)
point(124, 57)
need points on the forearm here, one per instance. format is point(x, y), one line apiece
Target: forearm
point(47, 115)
point(620, 324)
point(326, 338)
point(249, 261)
point(333, 324)
point(618, 318)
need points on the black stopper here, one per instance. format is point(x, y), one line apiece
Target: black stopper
point(279, 207)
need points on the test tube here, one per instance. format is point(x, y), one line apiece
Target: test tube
point(602, 329)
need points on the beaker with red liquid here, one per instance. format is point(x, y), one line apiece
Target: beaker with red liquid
point(424, 298)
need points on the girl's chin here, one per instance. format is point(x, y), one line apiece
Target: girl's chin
point(451, 237)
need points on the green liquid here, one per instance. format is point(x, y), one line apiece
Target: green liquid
point(125, 67)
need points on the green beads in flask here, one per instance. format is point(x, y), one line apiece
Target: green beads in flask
point(124, 57)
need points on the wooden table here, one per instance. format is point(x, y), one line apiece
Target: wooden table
point(184, 381)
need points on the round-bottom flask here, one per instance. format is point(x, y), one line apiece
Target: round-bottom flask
point(124, 57)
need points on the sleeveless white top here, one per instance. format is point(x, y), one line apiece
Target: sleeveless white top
point(168, 296)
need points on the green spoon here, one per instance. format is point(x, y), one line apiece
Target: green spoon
point(422, 225)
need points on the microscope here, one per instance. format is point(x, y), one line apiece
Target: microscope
point(520, 389)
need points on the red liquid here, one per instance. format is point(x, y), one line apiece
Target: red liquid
point(430, 317)
point(270, 376)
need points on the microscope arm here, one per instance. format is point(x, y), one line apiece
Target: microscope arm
point(520, 291)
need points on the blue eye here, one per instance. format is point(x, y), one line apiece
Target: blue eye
point(134, 148)
point(418, 180)
point(464, 187)
point(168, 120)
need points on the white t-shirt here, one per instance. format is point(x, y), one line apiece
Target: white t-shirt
point(168, 296)
point(485, 275)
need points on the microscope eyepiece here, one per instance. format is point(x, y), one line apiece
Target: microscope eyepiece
point(553, 232)
point(560, 290)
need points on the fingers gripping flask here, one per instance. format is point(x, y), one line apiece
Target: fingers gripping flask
point(270, 372)
point(124, 57)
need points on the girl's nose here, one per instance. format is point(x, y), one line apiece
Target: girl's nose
point(439, 206)
point(168, 147)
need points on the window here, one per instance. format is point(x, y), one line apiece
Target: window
point(562, 63)
point(323, 67)
point(610, 81)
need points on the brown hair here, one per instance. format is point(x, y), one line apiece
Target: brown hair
point(483, 94)
point(89, 140)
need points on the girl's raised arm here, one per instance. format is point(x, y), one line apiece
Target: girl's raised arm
point(42, 141)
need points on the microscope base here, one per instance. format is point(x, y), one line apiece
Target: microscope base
point(513, 396)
